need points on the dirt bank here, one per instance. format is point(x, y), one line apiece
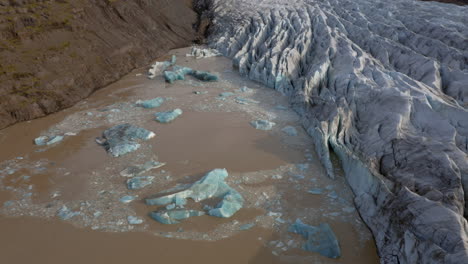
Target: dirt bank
point(54, 53)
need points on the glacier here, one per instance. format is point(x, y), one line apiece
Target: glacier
point(384, 86)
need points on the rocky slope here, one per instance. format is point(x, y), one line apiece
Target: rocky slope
point(384, 86)
point(55, 52)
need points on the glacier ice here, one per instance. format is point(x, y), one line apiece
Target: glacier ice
point(137, 170)
point(212, 185)
point(153, 103)
point(263, 124)
point(174, 216)
point(382, 84)
point(169, 116)
point(122, 139)
point(320, 239)
point(47, 140)
point(139, 182)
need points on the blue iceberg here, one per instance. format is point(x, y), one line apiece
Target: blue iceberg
point(262, 124)
point(139, 182)
point(153, 103)
point(169, 116)
point(212, 185)
point(122, 139)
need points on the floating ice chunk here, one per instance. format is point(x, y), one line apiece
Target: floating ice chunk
point(290, 131)
point(200, 92)
point(121, 139)
point(280, 107)
point(231, 203)
point(303, 166)
point(65, 214)
point(245, 89)
point(280, 220)
point(47, 140)
point(200, 53)
point(139, 182)
point(262, 124)
point(333, 195)
point(159, 67)
point(274, 214)
point(315, 191)
point(174, 216)
point(153, 103)
point(169, 116)
point(245, 101)
point(8, 203)
point(140, 169)
point(298, 176)
point(178, 74)
point(277, 177)
point(226, 94)
point(211, 185)
point(128, 198)
point(133, 220)
point(171, 206)
point(204, 76)
point(320, 239)
point(246, 226)
point(97, 214)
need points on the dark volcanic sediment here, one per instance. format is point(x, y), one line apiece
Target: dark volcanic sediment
point(384, 85)
point(54, 53)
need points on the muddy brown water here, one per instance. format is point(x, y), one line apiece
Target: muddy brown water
point(195, 143)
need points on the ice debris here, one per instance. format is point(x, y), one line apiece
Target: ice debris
point(136, 170)
point(179, 73)
point(245, 89)
point(226, 94)
point(277, 177)
point(149, 104)
point(133, 220)
point(169, 116)
point(204, 76)
point(302, 167)
point(8, 203)
point(290, 131)
point(158, 67)
point(65, 214)
point(174, 216)
point(262, 124)
point(47, 140)
point(245, 101)
point(320, 239)
point(212, 185)
point(281, 107)
point(333, 195)
point(246, 226)
point(200, 92)
point(315, 191)
point(139, 182)
point(121, 139)
point(200, 53)
point(128, 198)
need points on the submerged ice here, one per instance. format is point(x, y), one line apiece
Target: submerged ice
point(319, 239)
